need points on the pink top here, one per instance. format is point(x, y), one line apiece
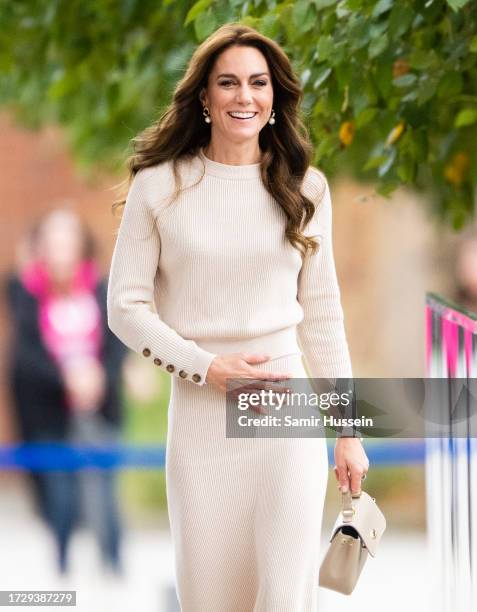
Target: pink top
point(70, 324)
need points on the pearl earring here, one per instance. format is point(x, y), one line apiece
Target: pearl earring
point(206, 114)
point(271, 121)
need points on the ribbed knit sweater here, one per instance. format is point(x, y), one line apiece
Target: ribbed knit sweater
point(215, 266)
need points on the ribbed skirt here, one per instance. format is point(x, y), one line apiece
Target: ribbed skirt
point(245, 513)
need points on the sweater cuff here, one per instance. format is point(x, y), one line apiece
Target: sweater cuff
point(198, 361)
point(201, 364)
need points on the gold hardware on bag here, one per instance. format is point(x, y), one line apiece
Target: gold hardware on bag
point(345, 541)
point(373, 533)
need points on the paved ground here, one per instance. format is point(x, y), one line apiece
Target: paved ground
point(399, 578)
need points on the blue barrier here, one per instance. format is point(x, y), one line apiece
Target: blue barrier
point(392, 453)
point(55, 456)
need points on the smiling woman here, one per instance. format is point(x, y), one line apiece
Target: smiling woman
point(239, 99)
point(223, 268)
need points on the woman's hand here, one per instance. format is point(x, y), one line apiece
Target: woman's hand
point(237, 365)
point(350, 458)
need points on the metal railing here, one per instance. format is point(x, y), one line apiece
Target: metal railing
point(451, 462)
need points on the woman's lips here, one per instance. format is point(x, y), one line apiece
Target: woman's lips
point(241, 118)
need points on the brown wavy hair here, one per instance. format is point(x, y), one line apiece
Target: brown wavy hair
point(181, 131)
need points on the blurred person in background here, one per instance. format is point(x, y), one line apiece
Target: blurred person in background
point(465, 293)
point(65, 372)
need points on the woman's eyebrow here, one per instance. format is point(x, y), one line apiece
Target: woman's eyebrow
point(235, 76)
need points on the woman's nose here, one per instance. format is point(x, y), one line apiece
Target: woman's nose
point(244, 95)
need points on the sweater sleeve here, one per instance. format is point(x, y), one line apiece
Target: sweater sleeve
point(130, 296)
point(321, 333)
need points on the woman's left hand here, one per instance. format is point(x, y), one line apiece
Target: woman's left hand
point(351, 464)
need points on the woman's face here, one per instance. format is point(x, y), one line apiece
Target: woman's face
point(239, 81)
point(60, 244)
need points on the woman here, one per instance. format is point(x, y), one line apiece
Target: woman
point(66, 374)
point(222, 259)
point(465, 291)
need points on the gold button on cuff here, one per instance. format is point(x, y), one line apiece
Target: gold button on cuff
point(170, 368)
point(182, 374)
point(157, 361)
point(146, 352)
point(196, 378)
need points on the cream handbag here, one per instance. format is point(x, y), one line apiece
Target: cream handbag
point(356, 532)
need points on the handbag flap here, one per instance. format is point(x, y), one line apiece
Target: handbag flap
point(367, 519)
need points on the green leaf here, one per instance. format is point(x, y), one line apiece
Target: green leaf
point(324, 48)
point(196, 9)
point(382, 7)
point(387, 164)
point(376, 29)
point(473, 44)
point(343, 9)
point(467, 116)
point(450, 85)
point(410, 96)
point(63, 85)
point(386, 187)
point(374, 162)
point(458, 217)
point(423, 59)
point(322, 75)
point(407, 169)
point(299, 12)
point(405, 80)
point(205, 24)
point(321, 4)
point(377, 46)
point(400, 20)
point(457, 4)
point(354, 5)
point(326, 146)
point(309, 21)
point(270, 25)
point(365, 116)
point(426, 90)
point(305, 77)
point(359, 33)
point(360, 100)
point(383, 77)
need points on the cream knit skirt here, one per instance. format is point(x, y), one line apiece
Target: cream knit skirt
point(245, 513)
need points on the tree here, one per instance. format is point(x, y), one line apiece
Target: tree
point(390, 87)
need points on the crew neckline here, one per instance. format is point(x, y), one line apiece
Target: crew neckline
point(230, 171)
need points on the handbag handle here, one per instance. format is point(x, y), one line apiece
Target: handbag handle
point(346, 505)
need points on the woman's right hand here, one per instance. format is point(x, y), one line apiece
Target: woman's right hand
point(240, 365)
point(85, 383)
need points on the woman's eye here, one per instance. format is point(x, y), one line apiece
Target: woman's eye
point(260, 82)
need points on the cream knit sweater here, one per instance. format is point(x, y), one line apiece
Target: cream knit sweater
point(214, 266)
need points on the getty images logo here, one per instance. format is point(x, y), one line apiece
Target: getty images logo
point(276, 400)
